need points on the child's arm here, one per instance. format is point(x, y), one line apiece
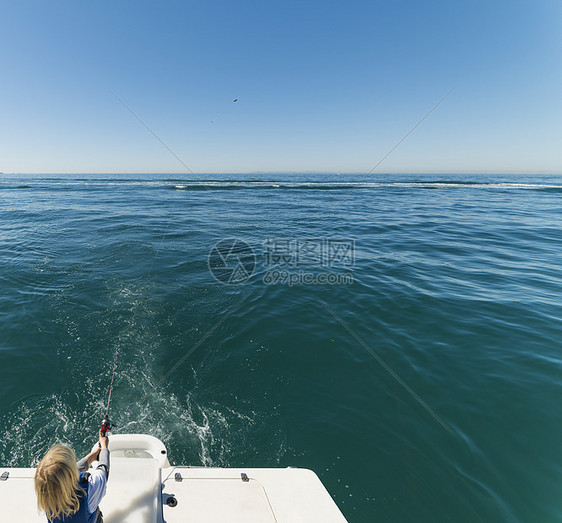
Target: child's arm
point(86, 461)
point(97, 481)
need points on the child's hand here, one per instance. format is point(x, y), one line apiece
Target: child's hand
point(104, 441)
point(96, 450)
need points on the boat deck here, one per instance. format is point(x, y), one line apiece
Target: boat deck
point(144, 488)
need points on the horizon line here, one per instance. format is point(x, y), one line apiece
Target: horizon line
point(288, 172)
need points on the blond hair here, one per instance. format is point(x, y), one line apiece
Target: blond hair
point(56, 483)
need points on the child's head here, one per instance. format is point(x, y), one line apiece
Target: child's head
point(56, 483)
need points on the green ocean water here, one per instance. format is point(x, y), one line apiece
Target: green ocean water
point(427, 388)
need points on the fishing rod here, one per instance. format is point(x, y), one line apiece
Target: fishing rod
point(106, 423)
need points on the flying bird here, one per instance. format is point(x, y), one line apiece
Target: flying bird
point(235, 100)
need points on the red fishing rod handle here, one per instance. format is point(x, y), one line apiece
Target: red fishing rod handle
point(105, 426)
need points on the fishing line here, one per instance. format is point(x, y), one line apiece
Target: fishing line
point(106, 423)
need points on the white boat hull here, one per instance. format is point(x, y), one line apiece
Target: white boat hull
point(144, 488)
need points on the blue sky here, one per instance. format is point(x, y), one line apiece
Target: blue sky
point(321, 86)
